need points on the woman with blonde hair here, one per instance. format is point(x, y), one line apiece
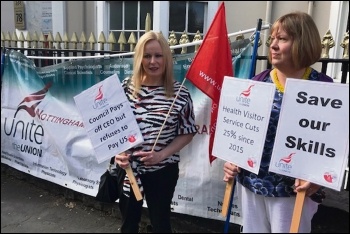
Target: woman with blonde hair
point(157, 100)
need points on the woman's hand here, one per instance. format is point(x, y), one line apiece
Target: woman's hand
point(230, 171)
point(122, 160)
point(310, 188)
point(149, 158)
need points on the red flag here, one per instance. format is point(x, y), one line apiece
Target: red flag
point(212, 62)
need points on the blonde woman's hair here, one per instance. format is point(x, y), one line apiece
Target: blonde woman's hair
point(138, 70)
point(306, 47)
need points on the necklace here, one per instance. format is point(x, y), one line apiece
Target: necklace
point(279, 85)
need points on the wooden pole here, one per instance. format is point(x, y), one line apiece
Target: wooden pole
point(298, 208)
point(227, 197)
point(133, 183)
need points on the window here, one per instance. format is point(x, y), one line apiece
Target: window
point(129, 16)
point(187, 16)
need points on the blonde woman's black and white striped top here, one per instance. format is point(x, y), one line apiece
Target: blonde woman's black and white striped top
point(151, 108)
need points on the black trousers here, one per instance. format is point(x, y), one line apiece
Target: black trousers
point(159, 187)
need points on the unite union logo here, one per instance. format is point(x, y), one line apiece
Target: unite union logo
point(285, 163)
point(30, 133)
point(243, 98)
point(30, 102)
point(99, 101)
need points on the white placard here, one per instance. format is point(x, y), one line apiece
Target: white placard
point(108, 118)
point(312, 138)
point(243, 117)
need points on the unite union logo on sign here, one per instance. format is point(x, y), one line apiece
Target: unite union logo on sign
point(100, 101)
point(285, 163)
point(243, 98)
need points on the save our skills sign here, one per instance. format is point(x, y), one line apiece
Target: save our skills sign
point(243, 117)
point(108, 118)
point(312, 139)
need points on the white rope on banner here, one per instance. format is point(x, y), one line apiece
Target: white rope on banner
point(266, 26)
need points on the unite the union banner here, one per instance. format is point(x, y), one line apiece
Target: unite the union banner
point(42, 131)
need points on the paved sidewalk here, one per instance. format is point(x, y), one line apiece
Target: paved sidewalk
point(33, 205)
point(26, 208)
